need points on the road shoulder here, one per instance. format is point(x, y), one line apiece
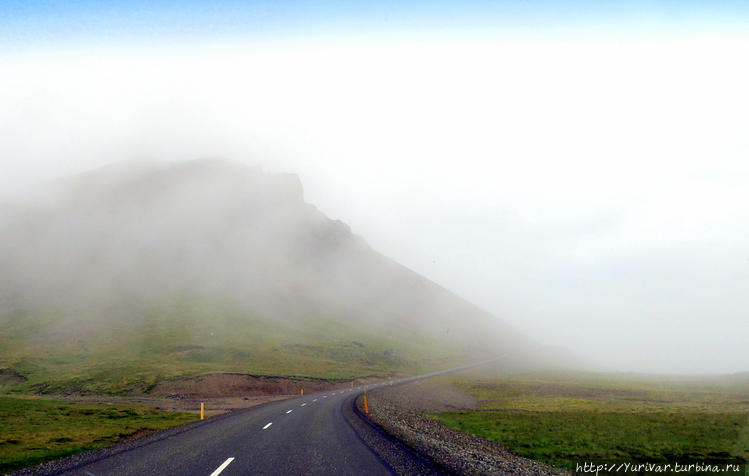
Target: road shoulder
point(399, 411)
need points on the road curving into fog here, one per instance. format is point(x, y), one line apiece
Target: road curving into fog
point(313, 434)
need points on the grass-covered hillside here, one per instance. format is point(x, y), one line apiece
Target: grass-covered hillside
point(187, 339)
point(131, 274)
point(565, 418)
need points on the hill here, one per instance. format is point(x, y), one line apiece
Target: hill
point(122, 277)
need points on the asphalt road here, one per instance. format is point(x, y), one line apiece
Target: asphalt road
point(311, 435)
point(302, 435)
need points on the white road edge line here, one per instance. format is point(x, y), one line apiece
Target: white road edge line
point(266, 426)
point(222, 467)
point(289, 411)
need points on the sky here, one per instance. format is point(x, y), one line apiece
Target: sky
point(577, 168)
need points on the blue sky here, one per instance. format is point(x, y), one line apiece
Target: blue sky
point(65, 22)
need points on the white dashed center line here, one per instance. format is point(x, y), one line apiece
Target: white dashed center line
point(222, 467)
point(303, 404)
point(266, 426)
point(314, 400)
point(289, 411)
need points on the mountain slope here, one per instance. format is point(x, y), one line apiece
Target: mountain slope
point(134, 273)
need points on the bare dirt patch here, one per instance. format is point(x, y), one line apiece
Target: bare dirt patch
point(238, 385)
point(220, 393)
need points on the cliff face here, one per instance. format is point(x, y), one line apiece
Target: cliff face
point(115, 242)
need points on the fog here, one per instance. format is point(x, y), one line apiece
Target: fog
point(167, 255)
point(590, 192)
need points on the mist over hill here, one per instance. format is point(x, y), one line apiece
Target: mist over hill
point(160, 270)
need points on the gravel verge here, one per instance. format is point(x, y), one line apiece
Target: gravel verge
point(399, 411)
point(399, 458)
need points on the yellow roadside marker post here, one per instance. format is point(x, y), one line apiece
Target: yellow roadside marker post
point(302, 392)
point(202, 411)
point(366, 405)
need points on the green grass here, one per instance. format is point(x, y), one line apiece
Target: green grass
point(566, 418)
point(36, 430)
point(185, 338)
point(611, 392)
point(561, 438)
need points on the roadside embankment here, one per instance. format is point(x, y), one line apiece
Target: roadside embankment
point(221, 393)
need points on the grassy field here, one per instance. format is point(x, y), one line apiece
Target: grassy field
point(35, 430)
point(566, 418)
